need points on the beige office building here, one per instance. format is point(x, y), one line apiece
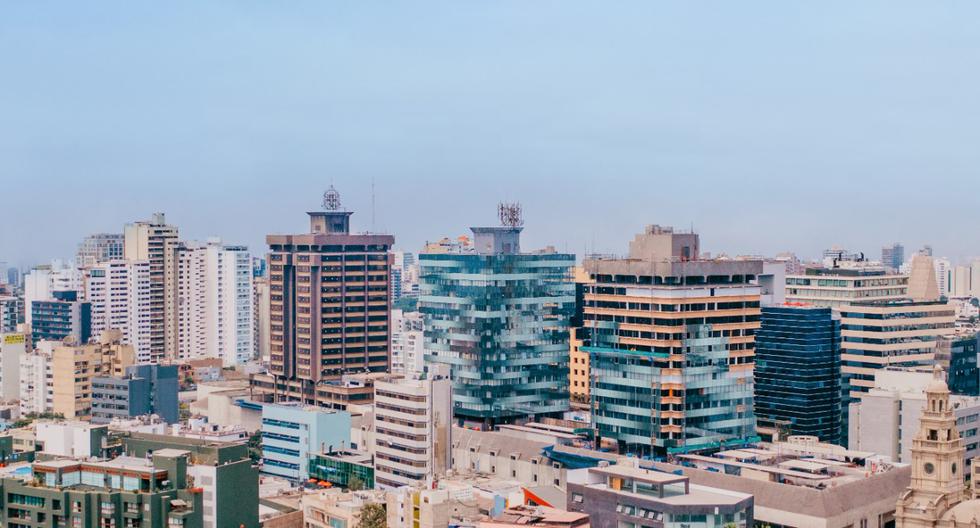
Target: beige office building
point(156, 242)
point(73, 367)
point(875, 335)
point(841, 286)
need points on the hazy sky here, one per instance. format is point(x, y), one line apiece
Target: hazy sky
point(770, 126)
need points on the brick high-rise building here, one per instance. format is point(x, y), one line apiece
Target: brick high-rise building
point(329, 305)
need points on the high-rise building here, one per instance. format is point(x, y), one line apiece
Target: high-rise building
point(893, 256)
point(671, 343)
point(407, 343)
point(99, 247)
point(412, 429)
point(119, 293)
point(329, 304)
point(876, 335)
point(61, 316)
point(156, 242)
point(848, 283)
point(74, 366)
point(500, 319)
point(797, 374)
point(214, 308)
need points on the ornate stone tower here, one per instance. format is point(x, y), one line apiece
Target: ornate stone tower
point(937, 463)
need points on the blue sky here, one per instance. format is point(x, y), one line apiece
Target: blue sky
point(769, 126)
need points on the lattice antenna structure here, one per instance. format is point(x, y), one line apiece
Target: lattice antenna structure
point(511, 214)
point(331, 199)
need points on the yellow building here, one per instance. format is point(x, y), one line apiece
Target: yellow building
point(74, 366)
point(578, 361)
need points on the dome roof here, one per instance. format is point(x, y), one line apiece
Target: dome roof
point(964, 512)
point(938, 382)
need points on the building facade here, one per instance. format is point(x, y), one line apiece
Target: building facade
point(893, 256)
point(412, 429)
point(62, 316)
point(876, 335)
point(155, 242)
point(100, 247)
point(848, 283)
point(214, 308)
point(964, 376)
point(407, 343)
point(329, 305)
point(119, 293)
point(797, 374)
point(74, 367)
point(291, 433)
point(500, 319)
point(671, 343)
point(885, 421)
point(144, 389)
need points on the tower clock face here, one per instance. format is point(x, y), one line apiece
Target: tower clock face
point(929, 468)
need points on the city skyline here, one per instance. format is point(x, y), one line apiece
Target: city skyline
point(360, 223)
point(856, 129)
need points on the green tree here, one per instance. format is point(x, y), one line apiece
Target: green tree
point(373, 516)
point(255, 447)
point(355, 484)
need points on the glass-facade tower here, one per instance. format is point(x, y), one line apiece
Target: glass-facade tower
point(671, 344)
point(797, 373)
point(500, 319)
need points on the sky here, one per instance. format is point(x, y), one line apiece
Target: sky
point(767, 126)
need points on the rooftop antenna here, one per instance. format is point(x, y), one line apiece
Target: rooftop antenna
point(510, 214)
point(331, 199)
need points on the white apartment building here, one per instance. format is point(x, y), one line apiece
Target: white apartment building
point(886, 419)
point(214, 310)
point(119, 294)
point(412, 429)
point(407, 343)
point(12, 349)
point(40, 282)
point(36, 394)
point(848, 283)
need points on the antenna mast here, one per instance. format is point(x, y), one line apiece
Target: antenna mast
point(510, 214)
